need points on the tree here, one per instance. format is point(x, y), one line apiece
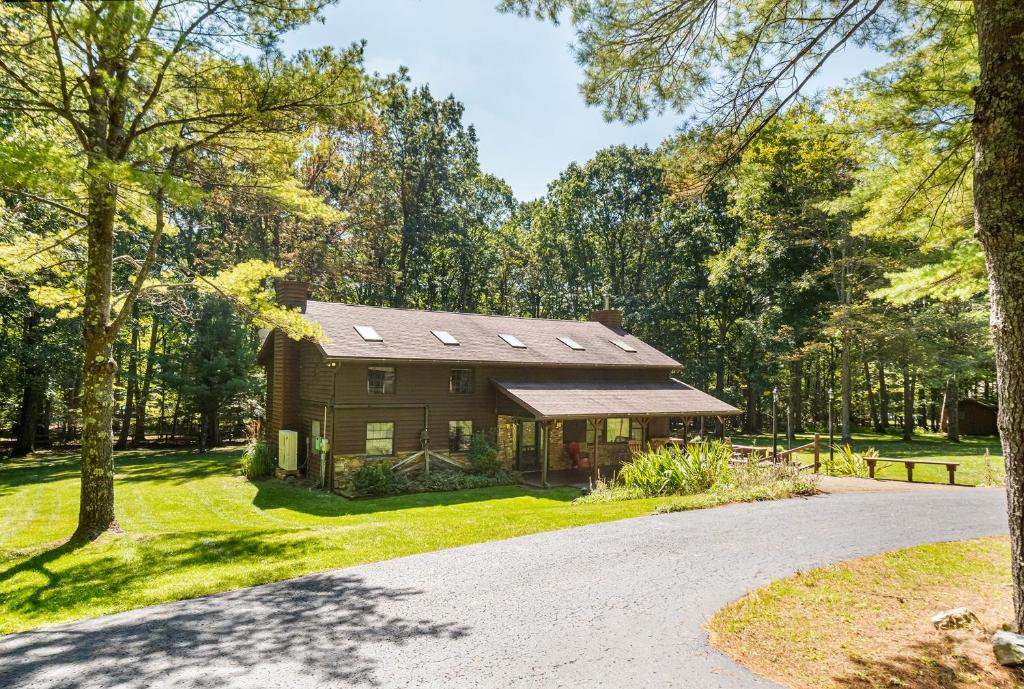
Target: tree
point(123, 105)
point(743, 63)
point(219, 360)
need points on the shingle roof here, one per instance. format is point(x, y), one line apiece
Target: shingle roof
point(567, 400)
point(406, 335)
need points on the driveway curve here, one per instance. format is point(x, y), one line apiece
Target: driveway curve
point(619, 604)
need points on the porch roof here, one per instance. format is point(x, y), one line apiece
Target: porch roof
point(600, 399)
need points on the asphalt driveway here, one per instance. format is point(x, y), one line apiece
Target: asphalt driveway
point(621, 604)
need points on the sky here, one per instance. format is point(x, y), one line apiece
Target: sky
point(516, 77)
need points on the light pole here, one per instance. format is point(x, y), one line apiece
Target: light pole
point(775, 427)
point(831, 437)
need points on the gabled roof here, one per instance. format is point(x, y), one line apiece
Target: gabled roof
point(602, 399)
point(406, 334)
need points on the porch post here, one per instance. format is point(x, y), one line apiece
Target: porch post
point(686, 430)
point(545, 441)
point(598, 427)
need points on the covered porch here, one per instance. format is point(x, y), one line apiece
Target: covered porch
point(576, 432)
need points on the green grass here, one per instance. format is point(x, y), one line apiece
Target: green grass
point(970, 452)
point(866, 623)
point(193, 526)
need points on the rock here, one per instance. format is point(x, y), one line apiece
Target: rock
point(957, 618)
point(1009, 648)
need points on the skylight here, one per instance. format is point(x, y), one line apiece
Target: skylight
point(368, 333)
point(445, 337)
point(623, 346)
point(513, 341)
point(571, 343)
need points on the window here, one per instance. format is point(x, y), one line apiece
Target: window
point(380, 438)
point(590, 432)
point(445, 337)
point(380, 380)
point(571, 343)
point(459, 435)
point(623, 346)
point(636, 430)
point(513, 341)
point(461, 381)
point(368, 333)
point(616, 429)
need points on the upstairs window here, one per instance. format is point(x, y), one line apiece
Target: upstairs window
point(380, 438)
point(461, 381)
point(368, 333)
point(445, 337)
point(571, 343)
point(380, 380)
point(459, 435)
point(513, 341)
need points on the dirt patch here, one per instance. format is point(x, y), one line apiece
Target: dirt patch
point(866, 624)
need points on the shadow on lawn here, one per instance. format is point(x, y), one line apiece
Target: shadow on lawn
point(169, 466)
point(317, 628)
point(317, 624)
point(273, 494)
point(934, 664)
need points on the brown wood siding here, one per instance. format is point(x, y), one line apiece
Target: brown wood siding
point(419, 384)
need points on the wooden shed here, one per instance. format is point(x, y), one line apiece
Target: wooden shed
point(975, 418)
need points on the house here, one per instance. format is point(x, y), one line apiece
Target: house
point(974, 417)
point(387, 384)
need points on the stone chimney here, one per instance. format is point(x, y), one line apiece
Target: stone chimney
point(612, 318)
point(293, 293)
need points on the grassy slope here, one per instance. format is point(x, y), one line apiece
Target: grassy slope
point(866, 623)
point(970, 452)
point(192, 527)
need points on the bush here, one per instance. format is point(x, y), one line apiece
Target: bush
point(377, 478)
point(439, 481)
point(850, 463)
point(671, 469)
point(483, 455)
point(258, 460)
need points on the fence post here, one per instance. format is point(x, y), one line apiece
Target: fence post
point(817, 452)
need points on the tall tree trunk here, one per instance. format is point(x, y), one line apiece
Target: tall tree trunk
point(908, 404)
point(720, 363)
point(796, 396)
point(132, 383)
point(752, 422)
point(846, 381)
point(32, 392)
point(883, 399)
point(999, 223)
point(139, 436)
point(951, 410)
point(96, 505)
point(872, 406)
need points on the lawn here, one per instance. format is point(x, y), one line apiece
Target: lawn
point(865, 624)
point(970, 452)
point(192, 526)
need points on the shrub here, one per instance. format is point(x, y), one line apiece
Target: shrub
point(677, 470)
point(483, 455)
point(377, 478)
point(258, 460)
point(439, 481)
point(850, 463)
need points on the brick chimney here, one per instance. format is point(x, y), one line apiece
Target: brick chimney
point(293, 293)
point(612, 318)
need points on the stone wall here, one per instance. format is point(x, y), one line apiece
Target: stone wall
point(505, 438)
